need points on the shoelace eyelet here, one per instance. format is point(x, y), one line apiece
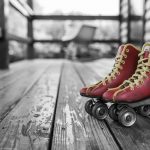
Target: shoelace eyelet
point(127, 50)
point(118, 73)
point(125, 56)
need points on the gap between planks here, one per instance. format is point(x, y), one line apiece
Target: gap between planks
point(73, 128)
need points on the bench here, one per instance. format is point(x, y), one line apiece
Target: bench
point(40, 108)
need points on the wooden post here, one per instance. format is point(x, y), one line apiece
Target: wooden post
point(144, 21)
point(4, 56)
point(120, 22)
point(30, 49)
point(129, 22)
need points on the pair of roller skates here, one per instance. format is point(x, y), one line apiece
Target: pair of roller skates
point(126, 88)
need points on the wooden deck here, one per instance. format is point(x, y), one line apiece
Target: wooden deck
point(40, 108)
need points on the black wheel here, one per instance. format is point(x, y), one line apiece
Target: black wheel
point(88, 106)
point(113, 112)
point(144, 110)
point(100, 111)
point(127, 117)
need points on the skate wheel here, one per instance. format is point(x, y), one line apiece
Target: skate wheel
point(127, 117)
point(100, 111)
point(113, 112)
point(144, 110)
point(88, 106)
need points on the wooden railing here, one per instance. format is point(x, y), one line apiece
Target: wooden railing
point(73, 17)
point(26, 10)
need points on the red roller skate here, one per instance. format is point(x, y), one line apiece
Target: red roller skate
point(127, 56)
point(134, 94)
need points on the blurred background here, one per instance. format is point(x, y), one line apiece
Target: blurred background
point(73, 29)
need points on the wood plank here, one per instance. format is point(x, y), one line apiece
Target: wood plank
point(11, 95)
point(73, 128)
point(73, 17)
point(100, 66)
point(17, 6)
point(91, 41)
point(12, 37)
point(27, 7)
point(28, 126)
point(136, 137)
point(20, 72)
point(13, 68)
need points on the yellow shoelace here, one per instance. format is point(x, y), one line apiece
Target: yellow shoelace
point(139, 74)
point(117, 66)
point(138, 77)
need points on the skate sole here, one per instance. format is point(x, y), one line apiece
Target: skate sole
point(84, 95)
point(136, 104)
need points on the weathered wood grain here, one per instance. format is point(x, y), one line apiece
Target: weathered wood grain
point(28, 126)
point(136, 137)
point(13, 67)
point(73, 128)
point(19, 66)
point(11, 95)
point(26, 69)
point(102, 67)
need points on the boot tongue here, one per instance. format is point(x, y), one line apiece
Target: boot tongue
point(146, 54)
point(146, 50)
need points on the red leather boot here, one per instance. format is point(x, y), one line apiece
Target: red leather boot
point(134, 94)
point(124, 67)
point(138, 87)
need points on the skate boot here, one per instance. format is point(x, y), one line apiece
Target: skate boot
point(134, 94)
point(127, 56)
point(86, 90)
